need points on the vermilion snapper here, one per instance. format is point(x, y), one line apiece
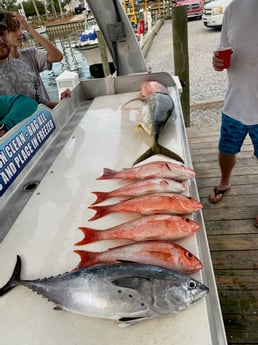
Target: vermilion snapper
point(162, 169)
point(160, 253)
point(154, 227)
point(147, 88)
point(141, 188)
point(167, 203)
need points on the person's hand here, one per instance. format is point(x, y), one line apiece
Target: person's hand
point(23, 23)
point(3, 130)
point(66, 93)
point(217, 62)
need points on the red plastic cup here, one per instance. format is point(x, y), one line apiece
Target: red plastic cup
point(225, 54)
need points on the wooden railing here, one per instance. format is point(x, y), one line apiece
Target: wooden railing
point(66, 28)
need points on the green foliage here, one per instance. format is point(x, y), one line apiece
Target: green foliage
point(30, 10)
point(56, 5)
point(9, 5)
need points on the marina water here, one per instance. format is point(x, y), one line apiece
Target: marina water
point(72, 61)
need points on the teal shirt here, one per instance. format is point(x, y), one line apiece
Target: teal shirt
point(14, 109)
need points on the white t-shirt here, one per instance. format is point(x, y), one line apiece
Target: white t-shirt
point(240, 31)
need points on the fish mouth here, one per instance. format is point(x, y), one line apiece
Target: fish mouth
point(203, 290)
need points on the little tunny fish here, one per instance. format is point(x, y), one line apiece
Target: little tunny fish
point(165, 254)
point(154, 227)
point(127, 293)
point(168, 203)
point(143, 187)
point(157, 110)
point(161, 169)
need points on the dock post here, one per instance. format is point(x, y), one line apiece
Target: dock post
point(181, 59)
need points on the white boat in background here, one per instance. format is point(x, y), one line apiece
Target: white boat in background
point(88, 45)
point(88, 38)
point(41, 30)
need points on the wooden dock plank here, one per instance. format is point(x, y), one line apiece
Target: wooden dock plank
point(232, 236)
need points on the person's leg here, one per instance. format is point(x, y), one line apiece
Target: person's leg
point(232, 135)
point(253, 132)
point(226, 163)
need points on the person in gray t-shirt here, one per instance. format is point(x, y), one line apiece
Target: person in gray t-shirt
point(16, 77)
point(38, 59)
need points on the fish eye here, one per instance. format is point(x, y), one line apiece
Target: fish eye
point(187, 220)
point(189, 254)
point(192, 284)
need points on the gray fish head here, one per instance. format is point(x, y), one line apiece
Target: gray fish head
point(181, 293)
point(161, 109)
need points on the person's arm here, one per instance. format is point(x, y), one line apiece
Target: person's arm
point(18, 108)
point(217, 62)
point(65, 94)
point(53, 54)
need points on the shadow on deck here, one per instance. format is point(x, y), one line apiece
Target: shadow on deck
point(232, 236)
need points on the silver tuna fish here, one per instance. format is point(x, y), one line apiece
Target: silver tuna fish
point(127, 293)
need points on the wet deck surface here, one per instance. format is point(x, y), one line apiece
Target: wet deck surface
point(232, 236)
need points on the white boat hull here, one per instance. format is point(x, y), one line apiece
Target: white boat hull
point(92, 54)
point(41, 30)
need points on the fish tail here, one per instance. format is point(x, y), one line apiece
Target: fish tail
point(101, 196)
point(101, 211)
point(88, 259)
point(90, 235)
point(158, 149)
point(15, 278)
point(107, 174)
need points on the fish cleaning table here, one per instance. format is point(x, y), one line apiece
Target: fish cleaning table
point(45, 231)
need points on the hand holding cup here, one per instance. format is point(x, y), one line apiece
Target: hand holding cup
point(221, 58)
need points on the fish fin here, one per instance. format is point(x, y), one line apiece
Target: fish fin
point(107, 174)
point(144, 156)
point(90, 235)
point(101, 211)
point(171, 154)
point(127, 321)
point(87, 258)
point(15, 278)
point(158, 149)
point(134, 283)
point(101, 196)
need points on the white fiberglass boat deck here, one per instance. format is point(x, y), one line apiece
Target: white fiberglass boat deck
point(45, 231)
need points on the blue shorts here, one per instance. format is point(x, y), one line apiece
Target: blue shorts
point(233, 133)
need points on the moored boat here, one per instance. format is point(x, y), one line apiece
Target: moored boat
point(41, 30)
point(88, 45)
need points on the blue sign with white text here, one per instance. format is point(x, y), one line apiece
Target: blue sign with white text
point(18, 150)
